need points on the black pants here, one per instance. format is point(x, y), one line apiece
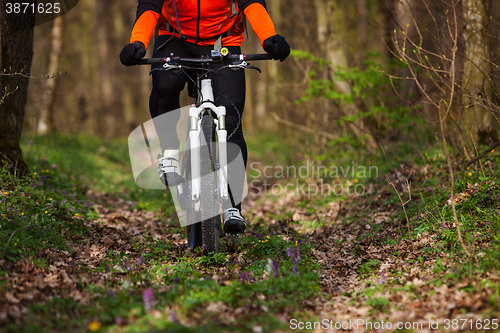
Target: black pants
point(229, 91)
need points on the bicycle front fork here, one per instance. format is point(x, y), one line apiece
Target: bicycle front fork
point(195, 116)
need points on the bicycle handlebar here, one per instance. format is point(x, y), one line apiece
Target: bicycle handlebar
point(207, 59)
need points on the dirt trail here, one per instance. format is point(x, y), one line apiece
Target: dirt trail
point(340, 249)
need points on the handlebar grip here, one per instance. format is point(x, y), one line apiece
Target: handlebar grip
point(264, 56)
point(152, 61)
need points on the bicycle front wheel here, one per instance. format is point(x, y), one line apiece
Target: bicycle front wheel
point(209, 228)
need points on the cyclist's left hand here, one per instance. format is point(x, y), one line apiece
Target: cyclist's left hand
point(277, 47)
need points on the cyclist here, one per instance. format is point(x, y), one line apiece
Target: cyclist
point(192, 28)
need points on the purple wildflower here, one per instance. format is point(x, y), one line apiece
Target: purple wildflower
point(243, 276)
point(176, 280)
point(148, 298)
point(10, 166)
point(72, 264)
point(496, 196)
point(122, 249)
point(442, 226)
point(139, 260)
point(276, 269)
point(126, 263)
point(294, 256)
point(107, 268)
point(40, 254)
point(381, 280)
point(173, 317)
point(448, 245)
point(111, 293)
point(203, 247)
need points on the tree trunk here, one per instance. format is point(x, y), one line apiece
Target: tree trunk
point(45, 123)
point(479, 123)
point(16, 52)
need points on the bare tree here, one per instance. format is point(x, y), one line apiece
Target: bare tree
point(16, 51)
point(45, 122)
point(479, 123)
point(441, 72)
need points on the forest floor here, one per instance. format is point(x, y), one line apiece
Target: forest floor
point(86, 251)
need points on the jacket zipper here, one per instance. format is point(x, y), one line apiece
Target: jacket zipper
point(198, 22)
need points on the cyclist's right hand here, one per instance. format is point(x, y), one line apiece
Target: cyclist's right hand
point(277, 47)
point(132, 53)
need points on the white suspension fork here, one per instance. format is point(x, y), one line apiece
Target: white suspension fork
point(222, 136)
point(195, 136)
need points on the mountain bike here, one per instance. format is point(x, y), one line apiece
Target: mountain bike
point(204, 165)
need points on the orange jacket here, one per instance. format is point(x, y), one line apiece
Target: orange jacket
point(202, 21)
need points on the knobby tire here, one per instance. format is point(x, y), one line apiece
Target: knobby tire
point(209, 229)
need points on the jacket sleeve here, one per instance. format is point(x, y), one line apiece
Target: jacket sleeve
point(257, 15)
point(148, 12)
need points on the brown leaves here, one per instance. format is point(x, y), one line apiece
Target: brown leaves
point(25, 284)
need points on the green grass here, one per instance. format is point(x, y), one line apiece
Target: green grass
point(86, 162)
point(35, 211)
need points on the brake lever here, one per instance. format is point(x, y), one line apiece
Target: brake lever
point(243, 64)
point(171, 66)
point(168, 66)
point(255, 67)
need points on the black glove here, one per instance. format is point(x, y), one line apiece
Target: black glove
point(132, 53)
point(277, 47)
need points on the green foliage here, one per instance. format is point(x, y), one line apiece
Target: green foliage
point(35, 211)
point(379, 304)
point(88, 162)
point(370, 90)
point(368, 267)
